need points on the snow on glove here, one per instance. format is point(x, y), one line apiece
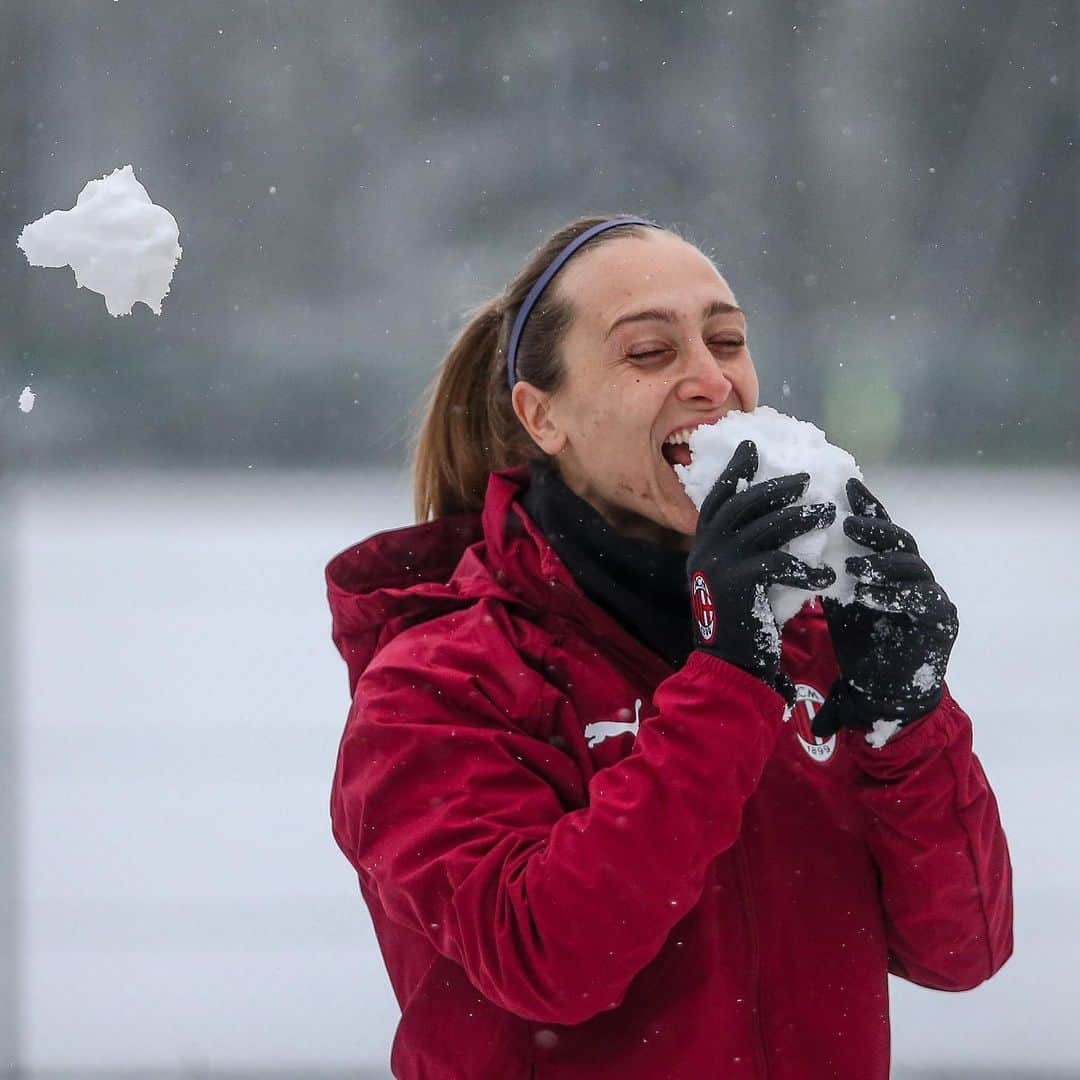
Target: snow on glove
point(736, 557)
point(893, 642)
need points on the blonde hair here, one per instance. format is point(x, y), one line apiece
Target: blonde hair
point(469, 428)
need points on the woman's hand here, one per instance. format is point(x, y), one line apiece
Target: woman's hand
point(736, 557)
point(893, 642)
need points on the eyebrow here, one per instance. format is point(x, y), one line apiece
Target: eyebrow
point(717, 307)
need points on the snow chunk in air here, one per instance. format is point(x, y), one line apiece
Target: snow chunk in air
point(115, 239)
point(27, 399)
point(784, 445)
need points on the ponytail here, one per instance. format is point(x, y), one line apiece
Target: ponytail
point(457, 444)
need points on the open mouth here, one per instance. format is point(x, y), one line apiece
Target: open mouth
point(676, 448)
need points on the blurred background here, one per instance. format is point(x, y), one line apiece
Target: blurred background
point(893, 192)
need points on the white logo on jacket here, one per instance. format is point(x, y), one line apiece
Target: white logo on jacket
point(807, 702)
point(605, 729)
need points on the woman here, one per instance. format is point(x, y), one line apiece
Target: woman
point(594, 839)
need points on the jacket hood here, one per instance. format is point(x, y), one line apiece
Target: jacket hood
point(396, 579)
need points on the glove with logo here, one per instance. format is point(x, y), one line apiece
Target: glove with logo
point(736, 557)
point(893, 642)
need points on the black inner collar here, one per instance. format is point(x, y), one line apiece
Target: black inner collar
point(641, 584)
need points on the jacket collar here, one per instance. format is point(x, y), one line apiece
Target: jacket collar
point(396, 579)
point(401, 577)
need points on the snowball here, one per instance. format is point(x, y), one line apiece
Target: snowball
point(784, 445)
point(115, 239)
point(26, 399)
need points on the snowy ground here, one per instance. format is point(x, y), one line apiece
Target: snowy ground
point(179, 702)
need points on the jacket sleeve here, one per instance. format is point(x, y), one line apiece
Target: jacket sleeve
point(461, 823)
point(935, 834)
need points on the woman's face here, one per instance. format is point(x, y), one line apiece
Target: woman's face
point(657, 346)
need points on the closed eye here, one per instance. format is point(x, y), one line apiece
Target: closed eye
point(647, 355)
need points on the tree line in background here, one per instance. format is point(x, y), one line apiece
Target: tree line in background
point(891, 190)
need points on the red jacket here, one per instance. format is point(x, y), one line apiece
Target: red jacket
point(581, 862)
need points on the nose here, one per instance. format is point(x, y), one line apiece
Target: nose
point(703, 380)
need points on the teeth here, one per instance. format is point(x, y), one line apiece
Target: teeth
point(679, 436)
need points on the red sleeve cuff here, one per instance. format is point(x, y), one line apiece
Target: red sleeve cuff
point(911, 745)
point(722, 673)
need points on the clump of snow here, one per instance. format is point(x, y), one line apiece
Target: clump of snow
point(784, 445)
point(26, 399)
point(115, 239)
point(883, 731)
point(767, 637)
point(925, 678)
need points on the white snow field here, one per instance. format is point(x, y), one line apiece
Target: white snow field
point(179, 706)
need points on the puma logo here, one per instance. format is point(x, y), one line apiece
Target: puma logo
point(605, 729)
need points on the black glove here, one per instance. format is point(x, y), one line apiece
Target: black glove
point(735, 558)
point(893, 642)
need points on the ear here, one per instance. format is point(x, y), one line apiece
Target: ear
point(534, 409)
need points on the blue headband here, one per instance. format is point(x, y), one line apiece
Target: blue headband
point(544, 280)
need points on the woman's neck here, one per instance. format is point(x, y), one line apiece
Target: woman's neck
point(626, 522)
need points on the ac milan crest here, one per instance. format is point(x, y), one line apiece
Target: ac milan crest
point(801, 714)
point(704, 612)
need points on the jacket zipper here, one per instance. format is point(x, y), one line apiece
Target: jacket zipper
point(755, 956)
